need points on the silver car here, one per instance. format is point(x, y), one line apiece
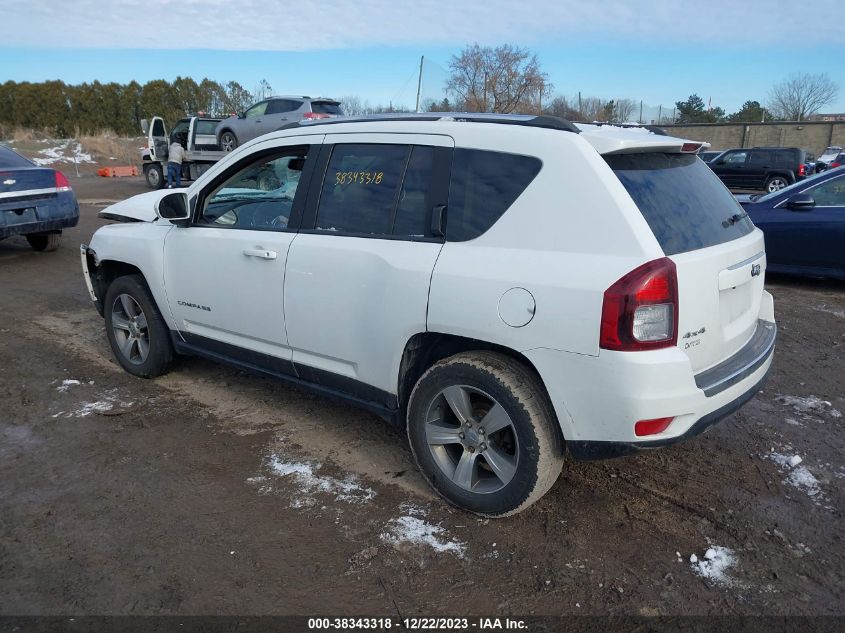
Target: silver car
point(271, 114)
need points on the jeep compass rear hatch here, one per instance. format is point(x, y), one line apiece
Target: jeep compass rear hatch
point(719, 257)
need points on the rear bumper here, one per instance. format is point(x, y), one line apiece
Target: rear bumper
point(24, 217)
point(598, 399)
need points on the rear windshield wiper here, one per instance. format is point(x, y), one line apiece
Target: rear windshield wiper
point(736, 217)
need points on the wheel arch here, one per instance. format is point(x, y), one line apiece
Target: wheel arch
point(424, 349)
point(105, 271)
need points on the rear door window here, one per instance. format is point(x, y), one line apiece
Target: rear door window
point(361, 187)
point(484, 185)
point(683, 201)
point(280, 106)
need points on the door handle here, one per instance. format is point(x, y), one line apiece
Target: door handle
point(260, 253)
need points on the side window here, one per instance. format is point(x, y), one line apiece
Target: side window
point(206, 127)
point(735, 158)
point(258, 196)
point(257, 110)
point(361, 187)
point(784, 158)
point(830, 193)
point(484, 184)
point(760, 158)
point(413, 214)
point(158, 128)
point(280, 106)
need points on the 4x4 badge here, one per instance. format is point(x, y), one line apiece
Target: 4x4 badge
point(755, 270)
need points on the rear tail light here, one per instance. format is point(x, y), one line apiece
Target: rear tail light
point(836, 164)
point(640, 311)
point(691, 147)
point(62, 183)
point(802, 170)
point(652, 427)
point(315, 115)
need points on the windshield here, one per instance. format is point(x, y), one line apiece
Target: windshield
point(683, 201)
point(796, 185)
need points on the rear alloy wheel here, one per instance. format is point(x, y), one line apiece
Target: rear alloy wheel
point(138, 335)
point(776, 183)
point(483, 433)
point(45, 241)
point(228, 141)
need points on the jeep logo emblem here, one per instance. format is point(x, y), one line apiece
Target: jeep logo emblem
point(755, 270)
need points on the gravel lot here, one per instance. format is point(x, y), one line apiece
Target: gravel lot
point(210, 491)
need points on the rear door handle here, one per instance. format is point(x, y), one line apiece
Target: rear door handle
point(260, 253)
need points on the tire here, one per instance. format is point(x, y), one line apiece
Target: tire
point(45, 241)
point(154, 175)
point(228, 141)
point(493, 474)
point(776, 183)
point(137, 333)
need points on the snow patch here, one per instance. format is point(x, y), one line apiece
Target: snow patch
point(305, 476)
point(62, 153)
point(714, 565)
point(810, 405)
point(799, 476)
point(109, 400)
point(823, 308)
point(67, 384)
point(413, 529)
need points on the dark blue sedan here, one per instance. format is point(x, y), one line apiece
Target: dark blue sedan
point(36, 202)
point(804, 225)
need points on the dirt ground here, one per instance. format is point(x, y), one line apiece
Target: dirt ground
point(210, 491)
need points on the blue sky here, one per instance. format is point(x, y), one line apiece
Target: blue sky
point(658, 51)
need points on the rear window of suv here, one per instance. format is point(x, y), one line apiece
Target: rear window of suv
point(326, 107)
point(683, 201)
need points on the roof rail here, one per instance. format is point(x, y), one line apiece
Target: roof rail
point(527, 120)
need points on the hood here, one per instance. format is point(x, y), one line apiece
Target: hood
point(140, 208)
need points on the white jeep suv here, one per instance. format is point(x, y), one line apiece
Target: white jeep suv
point(506, 287)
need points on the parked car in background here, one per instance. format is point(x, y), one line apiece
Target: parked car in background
point(427, 268)
point(271, 114)
point(36, 202)
point(768, 168)
point(708, 155)
point(804, 225)
point(827, 157)
point(839, 161)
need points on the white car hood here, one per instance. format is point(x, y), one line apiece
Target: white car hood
point(140, 208)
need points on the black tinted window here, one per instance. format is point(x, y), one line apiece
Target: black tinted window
point(326, 107)
point(413, 216)
point(760, 158)
point(683, 201)
point(280, 106)
point(11, 159)
point(361, 187)
point(484, 184)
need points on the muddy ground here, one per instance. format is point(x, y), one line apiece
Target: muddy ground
point(210, 491)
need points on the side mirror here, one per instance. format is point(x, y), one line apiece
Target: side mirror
point(241, 115)
point(145, 127)
point(174, 207)
point(801, 202)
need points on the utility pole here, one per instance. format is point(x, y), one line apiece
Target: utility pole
point(580, 109)
point(660, 114)
point(419, 83)
point(641, 112)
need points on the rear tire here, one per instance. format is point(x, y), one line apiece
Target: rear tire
point(137, 333)
point(45, 241)
point(154, 175)
point(776, 183)
point(228, 141)
point(497, 472)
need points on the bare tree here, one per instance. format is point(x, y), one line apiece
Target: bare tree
point(353, 106)
point(502, 79)
point(802, 95)
point(623, 109)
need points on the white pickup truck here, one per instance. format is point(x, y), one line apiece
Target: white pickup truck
point(196, 135)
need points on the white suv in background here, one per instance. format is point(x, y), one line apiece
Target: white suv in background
point(508, 287)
